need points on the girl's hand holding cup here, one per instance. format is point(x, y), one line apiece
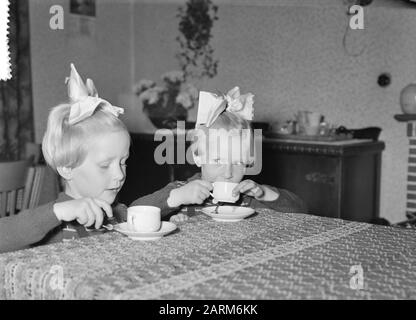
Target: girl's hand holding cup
point(250, 188)
point(86, 211)
point(194, 192)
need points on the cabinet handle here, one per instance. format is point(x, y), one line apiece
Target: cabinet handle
point(318, 177)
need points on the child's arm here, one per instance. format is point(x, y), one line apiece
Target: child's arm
point(159, 199)
point(32, 225)
point(27, 227)
point(264, 196)
point(86, 211)
point(286, 202)
point(175, 194)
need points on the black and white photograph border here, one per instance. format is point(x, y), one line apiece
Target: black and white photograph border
point(208, 155)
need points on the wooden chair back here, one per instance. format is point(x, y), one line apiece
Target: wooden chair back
point(13, 182)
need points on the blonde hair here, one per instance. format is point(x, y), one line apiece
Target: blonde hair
point(226, 121)
point(64, 145)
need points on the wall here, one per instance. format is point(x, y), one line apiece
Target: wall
point(106, 57)
point(289, 53)
point(291, 57)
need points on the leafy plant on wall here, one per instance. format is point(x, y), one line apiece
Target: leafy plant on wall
point(196, 55)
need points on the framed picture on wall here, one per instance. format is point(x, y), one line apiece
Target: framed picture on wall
point(83, 18)
point(82, 7)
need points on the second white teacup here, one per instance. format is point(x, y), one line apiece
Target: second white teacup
point(223, 191)
point(144, 218)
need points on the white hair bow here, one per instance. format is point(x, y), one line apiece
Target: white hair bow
point(84, 98)
point(210, 105)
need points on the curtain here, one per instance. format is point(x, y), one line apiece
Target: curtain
point(16, 108)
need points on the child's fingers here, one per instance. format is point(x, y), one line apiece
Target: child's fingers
point(240, 187)
point(249, 185)
point(98, 214)
point(236, 190)
point(105, 206)
point(200, 198)
point(205, 184)
point(90, 217)
point(181, 217)
point(82, 217)
point(257, 191)
point(204, 192)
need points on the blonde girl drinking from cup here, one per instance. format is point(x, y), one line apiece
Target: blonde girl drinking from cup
point(223, 119)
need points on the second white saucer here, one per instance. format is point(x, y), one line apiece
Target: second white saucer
point(128, 230)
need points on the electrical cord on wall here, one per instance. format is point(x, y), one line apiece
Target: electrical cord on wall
point(350, 3)
point(344, 43)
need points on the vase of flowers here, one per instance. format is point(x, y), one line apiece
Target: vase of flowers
point(168, 103)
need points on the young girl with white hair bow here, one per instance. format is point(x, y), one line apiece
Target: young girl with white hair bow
point(223, 118)
point(88, 146)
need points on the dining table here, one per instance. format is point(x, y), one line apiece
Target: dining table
point(269, 255)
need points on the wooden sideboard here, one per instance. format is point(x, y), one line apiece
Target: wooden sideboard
point(335, 179)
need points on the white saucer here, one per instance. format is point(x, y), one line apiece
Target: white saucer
point(214, 200)
point(228, 213)
point(126, 229)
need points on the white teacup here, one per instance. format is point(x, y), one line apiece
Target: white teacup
point(223, 191)
point(144, 218)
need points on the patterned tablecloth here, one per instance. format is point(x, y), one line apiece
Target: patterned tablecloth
point(271, 255)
